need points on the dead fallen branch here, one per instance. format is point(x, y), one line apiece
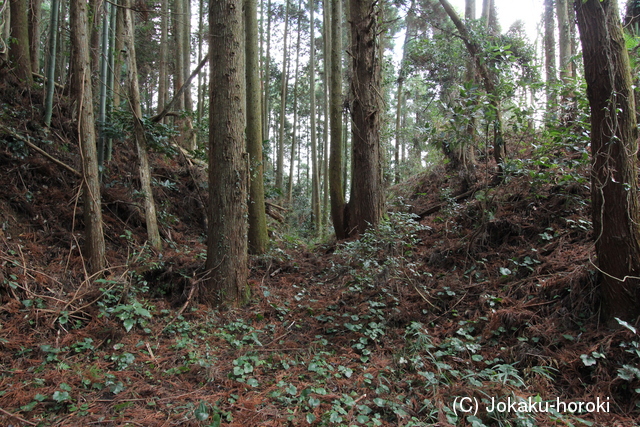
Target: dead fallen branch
point(40, 150)
point(17, 417)
point(184, 87)
point(272, 213)
point(275, 206)
point(438, 206)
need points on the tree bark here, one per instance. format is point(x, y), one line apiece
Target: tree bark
point(402, 74)
point(200, 93)
point(283, 104)
point(296, 79)
point(614, 176)
point(326, 66)
point(564, 39)
point(258, 238)
point(95, 13)
point(19, 47)
point(266, 104)
point(336, 189)
point(35, 13)
point(103, 86)
point(470, 9)
point(140, 139)
point(94, 238)
point(367, 202)
point(178, 63)
point(62, 48)
point(163, 72)
point(315, 170)
point(488, 80)
point(186, 58)
point(466, 156)
point(550, 52)
point(227, 240)
point(117, 51)
point(51, 62)
point(111, 74)
point(5, 32)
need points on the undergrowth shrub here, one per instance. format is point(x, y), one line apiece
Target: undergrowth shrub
point(385, 248)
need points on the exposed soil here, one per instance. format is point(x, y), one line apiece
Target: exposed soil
point(496, 297)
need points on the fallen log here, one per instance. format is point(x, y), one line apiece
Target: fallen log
point(438, 206)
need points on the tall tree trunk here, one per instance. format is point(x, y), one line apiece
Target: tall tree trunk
point(367, 204)
point(325, 156)
point(163, 72)
point(315, 171)
point(63, 48)
point(470, 9)
point(117, 52)
point(258, 238)
point(326, 45)
point(103, 86)
point(488, 80)
point(573, 36)
point(283, 103)
point(184, 125)
point(227, 244)
point(19, 46)
point(35, 13)
point(289, 195)
point(111, 73)
point(94, 237)
point(402, 74)
point(186, 55)
point(200, 93)
point(266, 104)
point(95, 15)
point(178, 63)
point(336, 189)
point(614, 176)
point(140, 138)
point(489, 16)
point(486, 11)
point(564, 39)
point(51, 62)
point(550, 52)
point(5, 16)
point(467, 148)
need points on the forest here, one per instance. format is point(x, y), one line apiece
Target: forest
point(320, 212)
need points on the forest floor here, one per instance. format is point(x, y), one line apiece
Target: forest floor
point(486, 300)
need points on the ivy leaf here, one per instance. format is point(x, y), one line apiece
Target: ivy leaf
point(626, 325)
point(505, 271)
point(335, 418)
point(202, 412)
point(61, 396)
point(314, 402)
point(587, 360)
point(629, 373)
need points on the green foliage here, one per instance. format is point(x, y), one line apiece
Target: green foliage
point(629, 372)
point(158, 135)
point(387, 245)
point(119, 300)
point(632, 43)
